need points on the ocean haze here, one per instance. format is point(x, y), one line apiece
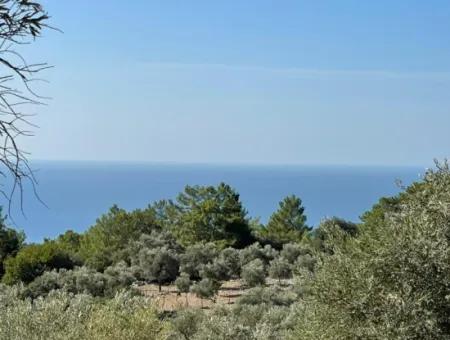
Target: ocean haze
point(77, 193)
point(245, 81)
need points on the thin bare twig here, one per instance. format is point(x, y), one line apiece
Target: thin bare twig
point(21, 22)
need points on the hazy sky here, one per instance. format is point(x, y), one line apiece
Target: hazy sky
point(323, 82)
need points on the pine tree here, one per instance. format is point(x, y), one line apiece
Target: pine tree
point(210, 214)
point(288, 223)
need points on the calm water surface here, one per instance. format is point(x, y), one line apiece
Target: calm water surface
point(76, 193)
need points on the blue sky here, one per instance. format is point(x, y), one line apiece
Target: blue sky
point(309, 82)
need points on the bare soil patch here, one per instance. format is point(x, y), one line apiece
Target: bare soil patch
point(170, 299)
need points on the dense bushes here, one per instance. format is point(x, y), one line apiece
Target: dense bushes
point(274, 296)
point(392, 281)
point(183, 283)
point(33, 260)
point(61, 315)
point(10, 242)
point(105, 242)
point(195, 257)
point(253, 273)
point(159, 265)
point(203, 219)
point(255, 251)
point(83, 280)
point(280, 269)
point(386, 278)
point(205, 288)
point(241, 322)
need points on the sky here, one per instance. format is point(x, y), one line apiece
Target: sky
point(274, 82)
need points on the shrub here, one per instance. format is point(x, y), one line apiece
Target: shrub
point(58, 316)
point(206, 288)
point(280, 269)
point(195, 257)
point(229, 259)
point(105, 242)
point(83, 280)
point(160, 265)
point(291, 252)
point(155, 239)
point(125, 317)
point(118, 277)
point(244, 322)
point(306, 261)
point(224, 267)
point(303, 280)
point(253, 273)
point(321, 235)
point(31, 261)
point(10, 242)
point(275, 296)
point(255, 251)
point(70, 243)
point(214, 271)
point(61, 315)
point(220, 326)
point(43, 284)
point(183, 283)
point(185, 324)
point(392, 280)
point(269, 253)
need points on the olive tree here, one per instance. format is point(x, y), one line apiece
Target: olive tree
point(160, 265)
point(291, 252)
point(206, 289)
point(183, 283)
point(390, 281)
point(253, 273)
point(256, 251)
point(195, 257)
point(280, 269)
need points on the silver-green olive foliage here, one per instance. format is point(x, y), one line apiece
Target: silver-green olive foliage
point(253, 273)
point(392, 281)
point(183, 283)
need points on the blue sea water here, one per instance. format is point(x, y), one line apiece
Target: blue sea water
point(77, 193)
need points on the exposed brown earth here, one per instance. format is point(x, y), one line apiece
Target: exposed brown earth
point(170, 299)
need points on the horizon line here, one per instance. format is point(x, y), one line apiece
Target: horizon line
point(229, 163)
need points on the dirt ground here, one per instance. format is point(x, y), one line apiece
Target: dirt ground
point(169, 299)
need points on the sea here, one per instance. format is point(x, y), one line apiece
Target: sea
point(75, 194)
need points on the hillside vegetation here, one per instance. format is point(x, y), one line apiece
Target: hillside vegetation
point(223, 275)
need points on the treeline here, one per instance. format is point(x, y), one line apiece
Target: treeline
point(203, 238)
point(387, 277)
